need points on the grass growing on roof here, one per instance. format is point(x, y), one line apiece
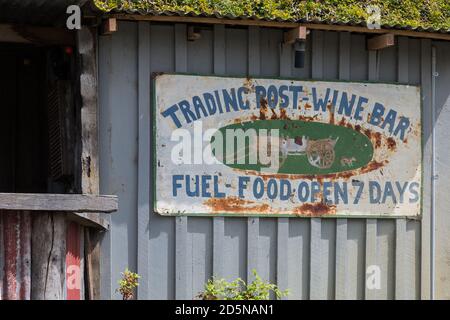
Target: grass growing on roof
point(411, 13)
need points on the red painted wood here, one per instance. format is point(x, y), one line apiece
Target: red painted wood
point(10, 241)
point(73, 262)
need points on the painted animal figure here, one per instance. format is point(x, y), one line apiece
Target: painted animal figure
point(347, 162)
point(293, 145)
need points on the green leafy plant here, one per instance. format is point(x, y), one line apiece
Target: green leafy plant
point(128, 284)
point(220, 289)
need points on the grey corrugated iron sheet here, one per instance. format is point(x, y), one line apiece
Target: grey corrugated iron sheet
point(307, 20)
point(40, 12)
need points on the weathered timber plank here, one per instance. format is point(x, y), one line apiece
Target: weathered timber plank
point(10, 223)
point(58, 202)
point(86, 43)
point(381, 41)
point(92, 239)
point(48, 248)
point(25, 256)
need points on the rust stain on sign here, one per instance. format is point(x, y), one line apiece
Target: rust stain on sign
point(235, 205)
point(315, 209)
point(263, 109)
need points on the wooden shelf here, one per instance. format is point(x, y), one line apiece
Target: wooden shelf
point(58, 202)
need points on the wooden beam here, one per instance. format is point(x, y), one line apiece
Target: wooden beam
point(109, 26)
point(86, 41)
point(285, 25)
point(204, 20)
point(297, 33)
point(88, 219)
point(57, 202)
point(381, 42)
point(36, 35)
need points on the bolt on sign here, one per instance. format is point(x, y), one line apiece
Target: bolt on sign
point(279, 147)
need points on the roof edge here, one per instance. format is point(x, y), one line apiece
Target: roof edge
point(429, 16)
point(313, 25)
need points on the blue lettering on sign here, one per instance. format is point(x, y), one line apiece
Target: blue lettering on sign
point(295, 92)
point(320, 103)
point(413, 190)
point(210, 103)
point(360, 188)
point(284, 97)
point(374, 192)
point(175, 184)
point(285, 190)
point(272, 189)
point(171, 112)
point(303, 192)
point(315, 190)
point(340, 192)
point(243, 181)
point(258, 188)
point(346, 105)
point(210, 186)
point(272, 96)
point(198, 106)
point(237, 99)
point(327, 192)
point(360, 108)
point(401, 189)
point(377, 113)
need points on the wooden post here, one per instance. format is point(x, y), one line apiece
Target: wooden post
point(92, 240)
point(48, 254)
point(86, 42)
point(11, 222)
point(25, 256)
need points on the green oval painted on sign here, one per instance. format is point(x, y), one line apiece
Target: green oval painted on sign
point(304, 147)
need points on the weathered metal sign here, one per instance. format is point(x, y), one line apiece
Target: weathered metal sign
point(246, 146)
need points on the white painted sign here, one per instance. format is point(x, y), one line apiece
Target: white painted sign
point(241, 146)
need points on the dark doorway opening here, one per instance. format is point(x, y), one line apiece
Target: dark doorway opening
point(36, 119)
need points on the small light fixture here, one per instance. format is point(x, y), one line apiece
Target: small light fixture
point(297, 38)
point(300, 48)
point(193, 33)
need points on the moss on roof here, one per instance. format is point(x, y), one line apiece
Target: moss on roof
point(433, 14)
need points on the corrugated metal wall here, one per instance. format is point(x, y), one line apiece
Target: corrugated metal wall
point(55, 272)
point(315, 258)
point(442, 165)
point(15, 255)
